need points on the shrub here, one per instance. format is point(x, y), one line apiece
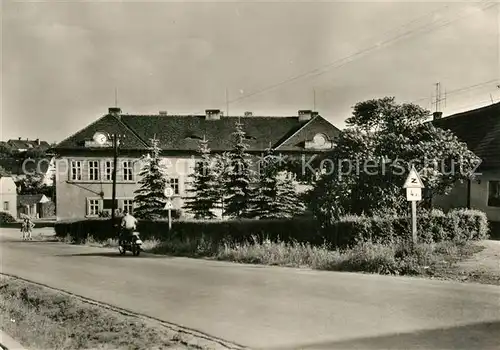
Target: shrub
point(6, 218)
point(433, 226)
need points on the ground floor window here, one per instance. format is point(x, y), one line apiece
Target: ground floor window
point(174, 183)
point(494, 193)
point(93, 207)
point(128, 205)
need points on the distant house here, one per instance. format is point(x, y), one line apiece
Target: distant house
point(21, 145)
point(8, 195)
point(480, 129)
point(35, 205)
point(84, 160)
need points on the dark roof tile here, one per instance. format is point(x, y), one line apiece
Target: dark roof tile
point(480, 129)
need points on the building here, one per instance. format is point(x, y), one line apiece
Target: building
point(37, 206)
point(480, 129)
point(85, 159)
point(24, 145)
point(8, 195)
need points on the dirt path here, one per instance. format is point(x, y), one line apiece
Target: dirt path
point(484, 264)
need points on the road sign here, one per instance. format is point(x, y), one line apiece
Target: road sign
point(169, 205)
point(413, 194)
point(413, 180)
point(169, 192)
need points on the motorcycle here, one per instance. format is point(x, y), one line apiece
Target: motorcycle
point(133, 245)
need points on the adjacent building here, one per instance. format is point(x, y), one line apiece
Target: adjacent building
point(480, 129)
point(84, 162)
point(8, 195)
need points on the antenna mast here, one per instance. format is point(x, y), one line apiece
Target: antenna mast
point(116, 97)
point(438, 100)
point(314, 100)
point(227, 103)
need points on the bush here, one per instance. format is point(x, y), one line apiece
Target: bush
point(433, 226)
point(6, 218)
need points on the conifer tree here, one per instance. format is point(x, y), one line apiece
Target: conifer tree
point(276, 193)
point(205, 193)
point(238, 182)
point(150, 198)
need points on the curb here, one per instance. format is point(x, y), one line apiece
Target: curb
point(7, 343)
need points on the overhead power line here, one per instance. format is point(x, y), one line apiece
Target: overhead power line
point(343, 61)
point(462, 89)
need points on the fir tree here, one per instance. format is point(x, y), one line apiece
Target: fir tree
point(150, 198)
point(237, 184)
point(276, 193)
point(205, 193)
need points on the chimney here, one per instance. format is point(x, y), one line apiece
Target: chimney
point(19, 138)
point(437, 115)
point(212, 114)
point(163, 113)
point(248, 114)
point(37, 142)
point(114, 111)
point(305, 115)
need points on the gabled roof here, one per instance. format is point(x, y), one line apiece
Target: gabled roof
point(28, 144)
point(30, 199)
point(109, 124)
point(183, 132)
point(480, 129)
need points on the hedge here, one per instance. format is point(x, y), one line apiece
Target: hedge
point(433, 226)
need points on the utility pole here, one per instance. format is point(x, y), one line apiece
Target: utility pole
point(116, 142)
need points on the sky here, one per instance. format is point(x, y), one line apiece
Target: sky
point(63, 61)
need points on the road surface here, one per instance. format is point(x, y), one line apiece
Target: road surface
point(269, 307)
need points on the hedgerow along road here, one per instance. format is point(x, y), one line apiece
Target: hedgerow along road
point(268, 307)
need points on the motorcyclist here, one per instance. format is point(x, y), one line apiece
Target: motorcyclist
point(128, 226)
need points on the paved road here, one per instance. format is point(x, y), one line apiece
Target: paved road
point(265, 307)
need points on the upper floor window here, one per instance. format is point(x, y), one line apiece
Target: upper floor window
point(174, 183)
point(6, 206)
point(76, 170)
point(93, 170)
point(108, 170)
point(494, 194)
point(128, 171)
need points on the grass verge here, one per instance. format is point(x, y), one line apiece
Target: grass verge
point(438, 260)
point(41, 318)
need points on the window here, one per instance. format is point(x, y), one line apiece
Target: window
point(494, 194)
point(108, 170)
point(127, 171)
point(6, 206)
point(93, 170)
point(93, 207)
point(128, 205)
point(174, 183)
point(76, 170)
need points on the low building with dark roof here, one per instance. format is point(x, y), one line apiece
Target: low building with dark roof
point(84, 160)
point(480, 130)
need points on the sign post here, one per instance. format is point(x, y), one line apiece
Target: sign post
point(169, 192)
point(413, 185)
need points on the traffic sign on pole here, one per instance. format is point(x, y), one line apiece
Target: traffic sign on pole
point(169, 192)
point(413, 185)
point(413, 180)
point(413, 194)
point(169, 205)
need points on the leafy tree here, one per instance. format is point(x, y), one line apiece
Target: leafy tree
point(205, 194)
point(367, 169)
point(238, 179)
point(276, 195)
point(150, 198)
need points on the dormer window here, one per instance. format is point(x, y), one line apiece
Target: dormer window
point(319, 141)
